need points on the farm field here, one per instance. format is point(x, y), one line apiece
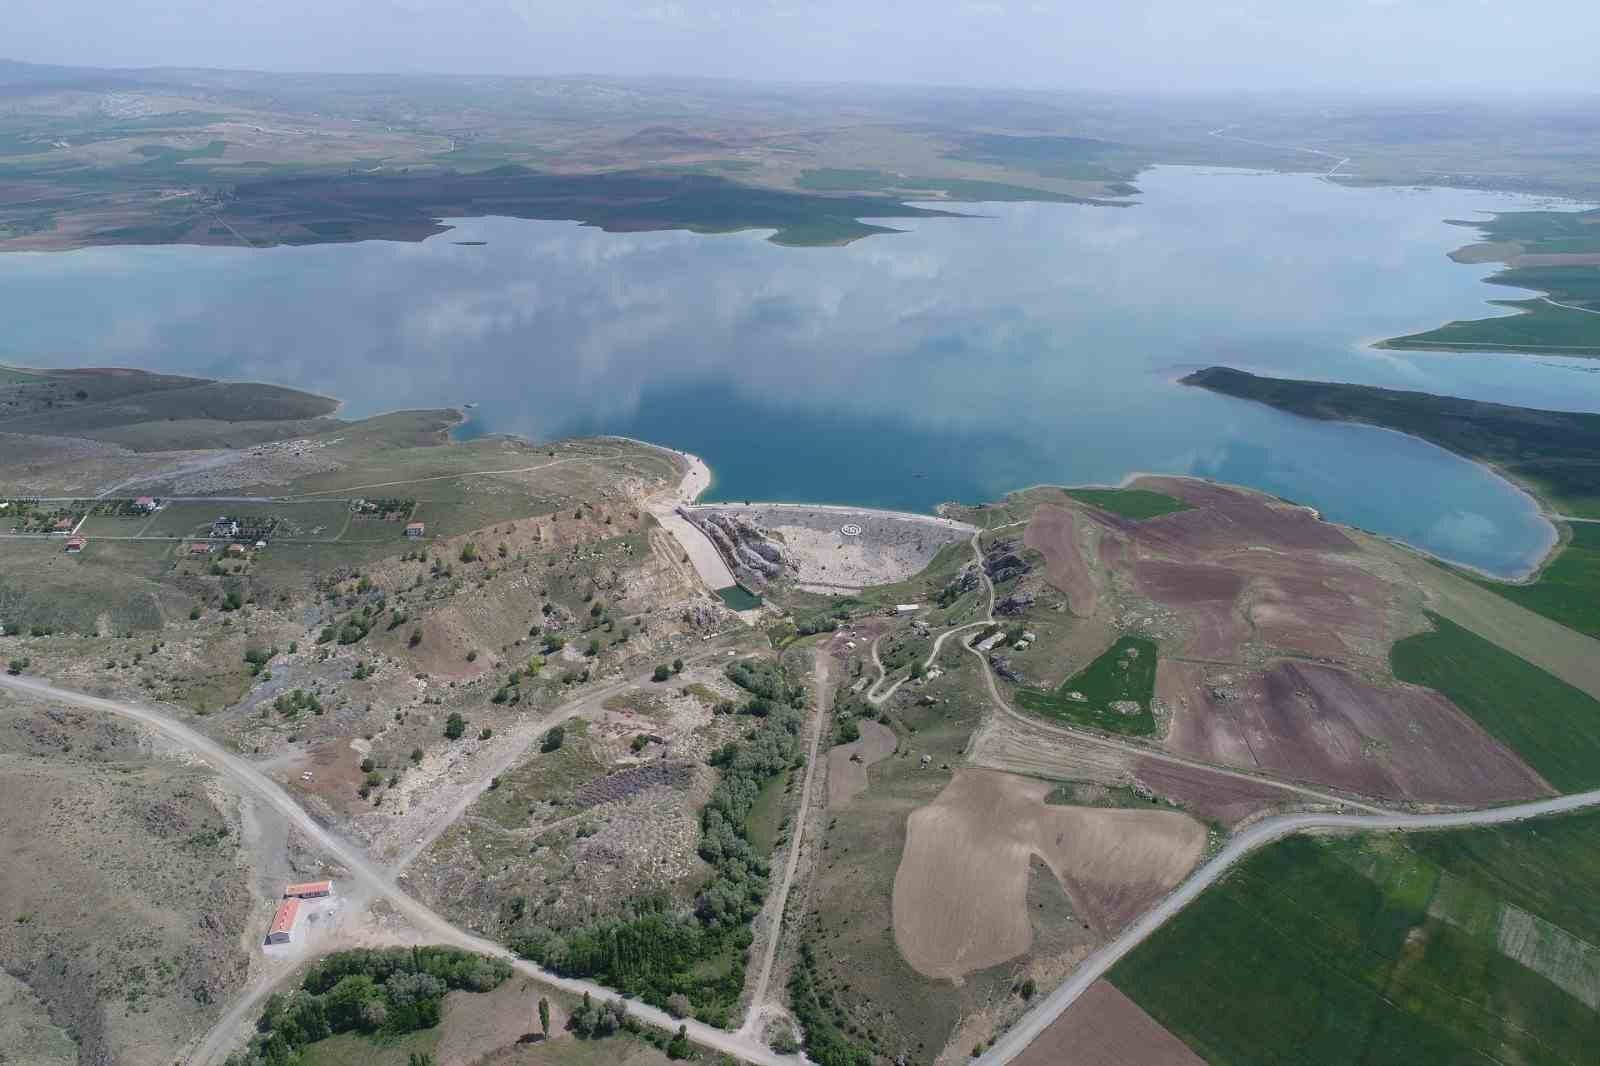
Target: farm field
point(1383, 949)
point(960, 892)
point(1537, 327)
point(1129, 503)
point(1124, 674)
point(1550, 724)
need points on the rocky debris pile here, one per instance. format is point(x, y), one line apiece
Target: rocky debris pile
point(1001, 561)
point(625, 784)
point(1019, 599)
point(751, 552)
point(1126, 707)
point(1003, 667)
point(702, 615)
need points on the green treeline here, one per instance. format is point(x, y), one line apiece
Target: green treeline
point(387, 990)
point(820, 1018)
point(657, 952)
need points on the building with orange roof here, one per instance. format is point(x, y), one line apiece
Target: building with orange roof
point(308, 890)
point(75, 544)
point(283, 922)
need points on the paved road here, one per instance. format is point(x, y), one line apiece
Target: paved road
point(1258, 836)
point(370, 877)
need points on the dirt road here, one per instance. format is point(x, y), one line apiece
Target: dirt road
point(758, 1001)
point(371, 878)
point(1257, 836)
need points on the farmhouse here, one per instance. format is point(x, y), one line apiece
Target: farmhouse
point(146, 503)
point(415, 529)
point(199, 547)
point(283, 922)
point(225, 527)
point(75, 544)
point(308, 890)
point(236, 549)
point(63, 525)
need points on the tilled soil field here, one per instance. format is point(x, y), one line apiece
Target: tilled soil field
point(1315, 723)
point(1106, 1028)
point(960, 892)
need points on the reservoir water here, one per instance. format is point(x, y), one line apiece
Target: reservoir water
point(957, 360)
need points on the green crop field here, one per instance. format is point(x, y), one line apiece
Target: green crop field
point(1540, 327)
point(1553, 726)
point(1124, 672)
point(1373, 951)
point(1568, 589)
point(1129, 503)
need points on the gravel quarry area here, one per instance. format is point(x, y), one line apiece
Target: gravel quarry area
point(845, 549)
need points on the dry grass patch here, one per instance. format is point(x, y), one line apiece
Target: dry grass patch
point(848, 763)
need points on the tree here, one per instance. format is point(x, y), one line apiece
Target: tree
point(454, 726)
point(678, 1048)
point(678, 1005)
point(663, 672)
point(553, 739)
point(677, 666)
point(416, 637)
point(544, 1017)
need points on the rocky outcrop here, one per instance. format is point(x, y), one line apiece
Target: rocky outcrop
point(1001, 561)
point(751, 552)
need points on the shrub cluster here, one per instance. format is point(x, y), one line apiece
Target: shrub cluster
point(653, 950)
point(388, 990)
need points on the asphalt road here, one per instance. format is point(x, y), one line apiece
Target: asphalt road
point(1257, 836)
point(423, 919)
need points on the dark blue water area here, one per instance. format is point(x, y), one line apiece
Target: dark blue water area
point(958, 360)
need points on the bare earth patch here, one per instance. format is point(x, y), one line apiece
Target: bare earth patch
point(1106, 1028)
point(960, 892)
point(1053, 531)
point(848, 763)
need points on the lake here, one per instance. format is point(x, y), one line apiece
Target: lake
point(957, 360)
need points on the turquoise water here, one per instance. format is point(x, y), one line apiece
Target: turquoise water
point(958, 360)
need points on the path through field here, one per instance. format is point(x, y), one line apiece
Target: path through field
point(759, 1007)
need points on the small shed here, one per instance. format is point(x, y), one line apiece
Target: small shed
point(283, 922)
point(236, 549)
point(199, 548)
point(415, 529)
point(64, 525)
point(145, 503)
point(75, 544)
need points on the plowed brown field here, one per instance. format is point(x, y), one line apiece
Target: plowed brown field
point(1315, 723)
point(960, 892)
point(1106, 1028)
point(1053, 532)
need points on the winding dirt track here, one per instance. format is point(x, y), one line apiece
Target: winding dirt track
point(373, 879)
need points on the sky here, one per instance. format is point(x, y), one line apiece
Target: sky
point(1448, 46)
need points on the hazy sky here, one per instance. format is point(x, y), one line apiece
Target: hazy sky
point(1384, 45)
